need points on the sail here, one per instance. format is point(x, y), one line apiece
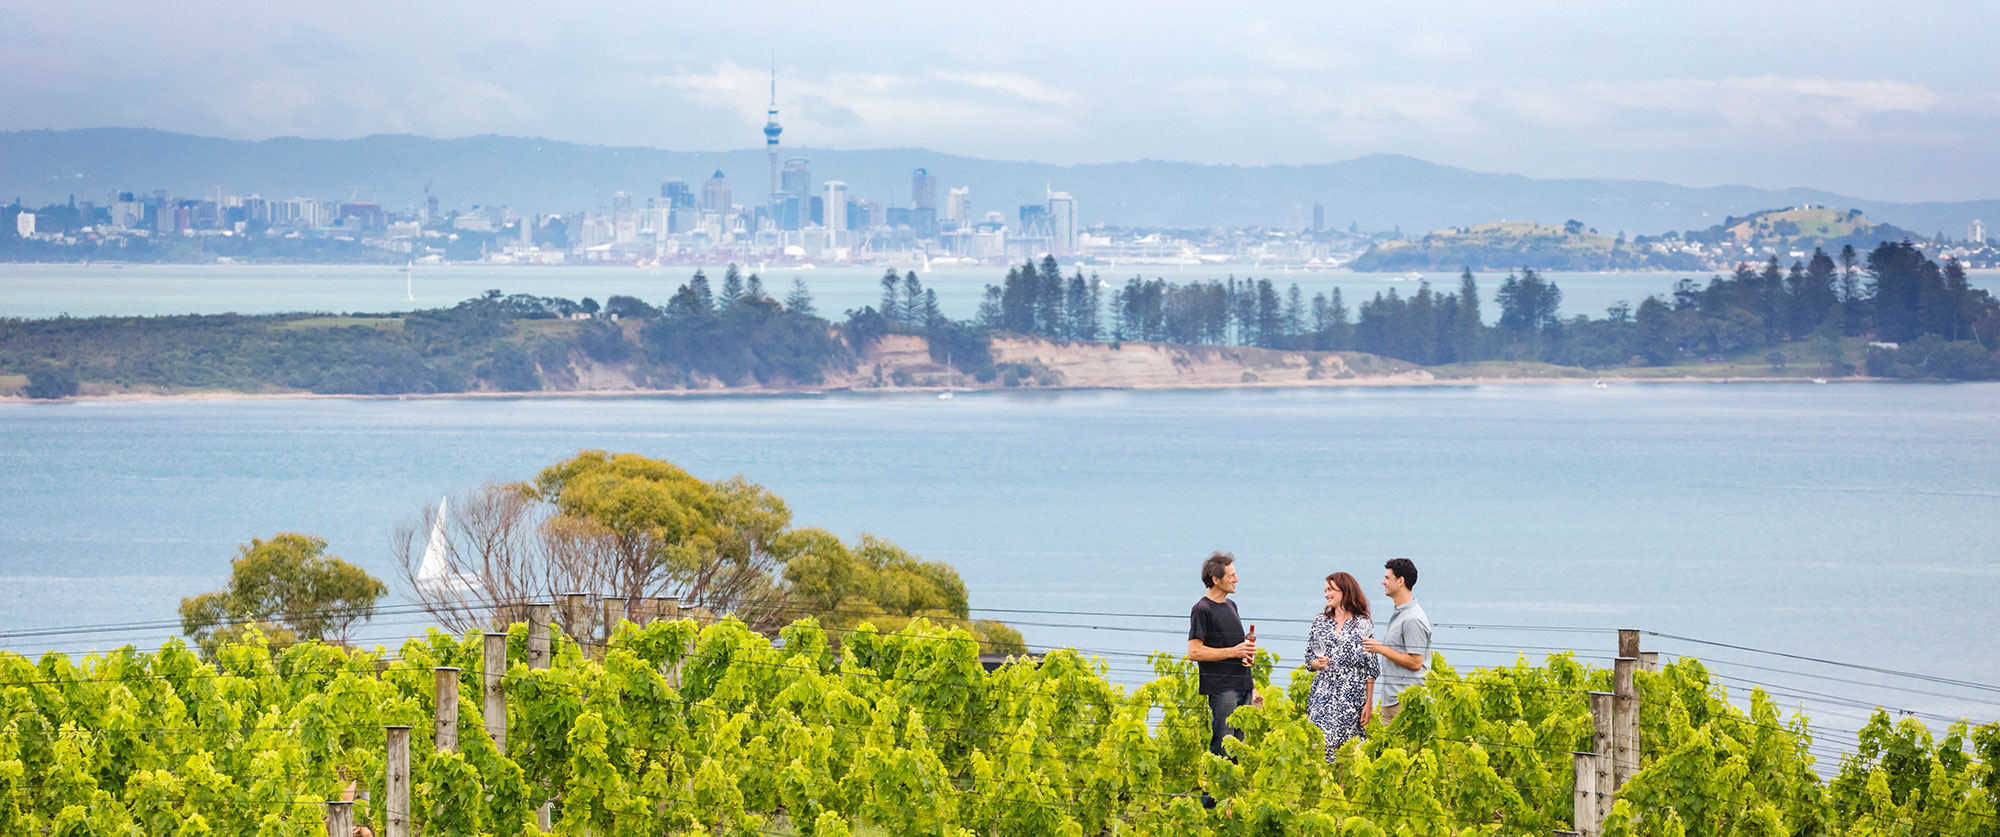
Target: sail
point(435, 565)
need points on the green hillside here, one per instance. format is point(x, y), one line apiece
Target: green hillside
point(1507, 245)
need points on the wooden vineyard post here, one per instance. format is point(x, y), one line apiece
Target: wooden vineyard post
point(339, 819)
point(1628, 642)
point(614, 613)
point(397, 807)
point(1585, 795)
point(538, 658)
point(493, 675)
point(444, 710)
point(670, 610)
point(576, 620)
point(1649, 661)
point(538, 635)
point(1603, 709)
point(1624, 721)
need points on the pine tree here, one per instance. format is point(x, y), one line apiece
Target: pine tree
point(1338, 333)
point(1295, 313)
point(756, 287)
point(1466, 323)
point(890, 309)
point(800, 300)
point(1049, 316)
point(732, 287)
point(933, 315)
point(698, 288)
point(913, 300)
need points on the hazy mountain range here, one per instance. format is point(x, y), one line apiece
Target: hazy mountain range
point(1379, 191)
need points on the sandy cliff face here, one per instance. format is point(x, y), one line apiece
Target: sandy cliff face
point(1131, 365)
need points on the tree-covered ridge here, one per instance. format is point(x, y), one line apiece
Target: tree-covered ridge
point(492, 343)
point(677, 728)
point(1506, 244)
point(1801, 229)
point(1891, 312)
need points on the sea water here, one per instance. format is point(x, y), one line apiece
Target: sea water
point(1846, 522)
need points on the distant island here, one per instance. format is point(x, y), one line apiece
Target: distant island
point(1779, 233)
point(1892, 313)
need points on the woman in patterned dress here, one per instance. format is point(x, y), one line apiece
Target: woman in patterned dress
point(1343, 688)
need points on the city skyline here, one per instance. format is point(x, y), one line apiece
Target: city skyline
point(1870, 101)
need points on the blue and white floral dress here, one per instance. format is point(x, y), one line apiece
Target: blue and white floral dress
point(1340, 690)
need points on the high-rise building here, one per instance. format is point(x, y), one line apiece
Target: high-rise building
point(797, 178)
point(1034, 219)
point(1319, 217)
point(923, 203)
point(923, 190)
point(678, 194)
point(771, 129)
point(835, 206)
point(958, 207)
point(24, 224)
point(1063, 231)
point(715, 194)
point(1977, 232)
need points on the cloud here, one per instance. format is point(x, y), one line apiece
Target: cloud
point(1019, 85)
point(1791, 104)
point(970, 112)
point(308, 46)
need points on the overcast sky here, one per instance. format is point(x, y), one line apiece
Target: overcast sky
point(1890, 101)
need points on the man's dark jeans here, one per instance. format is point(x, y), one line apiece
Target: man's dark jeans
point(1220, 706)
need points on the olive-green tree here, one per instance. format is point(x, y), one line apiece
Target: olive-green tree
point(289, 589)
point(625, 525)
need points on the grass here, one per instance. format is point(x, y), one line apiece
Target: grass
point(1749, 363)
point(529, 328)
point(1508, 369)
point(382, 323)
point(12, 384)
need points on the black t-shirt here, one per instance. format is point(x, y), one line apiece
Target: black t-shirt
point(1218, 626)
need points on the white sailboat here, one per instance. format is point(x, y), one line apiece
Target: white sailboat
point(949, 374)
point(410, 282)
point(435, 575)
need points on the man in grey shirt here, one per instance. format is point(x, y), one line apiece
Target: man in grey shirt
point(1406, 644)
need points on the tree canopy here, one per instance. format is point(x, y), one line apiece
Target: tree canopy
point(288, 588)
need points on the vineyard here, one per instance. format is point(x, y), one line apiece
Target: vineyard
point(673, 727)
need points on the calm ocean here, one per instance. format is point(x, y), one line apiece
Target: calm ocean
point(1851, 522)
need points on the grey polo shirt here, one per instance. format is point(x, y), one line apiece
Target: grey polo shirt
point(1409, 631)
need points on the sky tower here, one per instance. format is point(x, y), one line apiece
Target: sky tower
point(771, 129)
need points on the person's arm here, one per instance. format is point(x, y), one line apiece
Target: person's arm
point(1205, 654)
point(1408, 661)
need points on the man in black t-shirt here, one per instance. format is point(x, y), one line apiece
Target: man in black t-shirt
point(1221, 651)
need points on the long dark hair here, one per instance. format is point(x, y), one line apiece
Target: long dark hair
point(1351, 596)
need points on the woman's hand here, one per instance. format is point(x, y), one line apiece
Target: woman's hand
point(1367, 712)
point(1318, 663)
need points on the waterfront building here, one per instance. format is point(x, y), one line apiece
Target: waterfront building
point(715, 194)
point(678, 195)
point(834, 206)
point(1977, 232)
point(1319, 217)
point(1062, 223)
point(24, 224)
point(958, 207)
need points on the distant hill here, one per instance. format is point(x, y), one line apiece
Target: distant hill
point(1507, 245)
point(1512, 244)
point(1804, 229)
point(1378, 191)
